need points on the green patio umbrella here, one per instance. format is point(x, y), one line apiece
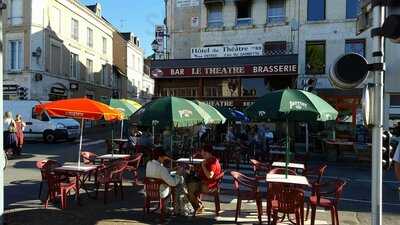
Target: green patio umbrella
point(128, 107)
point(216, 116)
point(171, 112)
point(291, 105)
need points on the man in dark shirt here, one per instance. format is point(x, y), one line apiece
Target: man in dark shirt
point(208, 171)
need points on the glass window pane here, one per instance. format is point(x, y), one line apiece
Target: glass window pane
point(316, 10)
point(315, 58)
point(276, 11)
point(214, 18)
point(275, 48)
point(13, 51)
point(254, 87)
point(395, 100)
point(351, 9)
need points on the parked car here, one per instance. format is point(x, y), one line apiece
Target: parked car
point(50, 129)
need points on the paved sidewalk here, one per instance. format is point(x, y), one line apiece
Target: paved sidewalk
point(23, 207)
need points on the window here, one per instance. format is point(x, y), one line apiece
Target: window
point(212, 91)
point(276, 11)
point(254, 87)
point(243, 13)
point(89, 71)
point(214, 16)
point(74, 66)
point(275, 48)
point(15, 55)
point(316, 10)
point(315, 57)
point(75, 29)
point(395, 100)
point(103, 74)
point(104, 45)
point(55, 58)
point(182, 92)
point(55, 21)
point(89, 40)
point(16, 12)
point(356, 46)
point(351, 9)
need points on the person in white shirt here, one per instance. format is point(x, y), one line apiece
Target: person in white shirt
point(396, 160)
point(156, 169)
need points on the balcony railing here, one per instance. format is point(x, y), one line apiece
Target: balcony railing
point(243, 22)
point(286, 49)
point(276, 19)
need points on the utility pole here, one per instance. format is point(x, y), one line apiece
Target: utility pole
point(378, 16)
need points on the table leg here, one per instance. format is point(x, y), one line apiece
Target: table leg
point(77, 181)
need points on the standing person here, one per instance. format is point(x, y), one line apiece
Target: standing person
point(9, 137)
point(230, 136)
point(206, 179)
point(20, 127)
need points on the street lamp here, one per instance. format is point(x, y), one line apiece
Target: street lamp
point(155, 46)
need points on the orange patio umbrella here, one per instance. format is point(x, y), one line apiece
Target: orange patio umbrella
point(82, 109)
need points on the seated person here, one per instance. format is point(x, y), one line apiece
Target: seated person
point(156, 169)
point(209, 169)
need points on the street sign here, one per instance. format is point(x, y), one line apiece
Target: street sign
point(348, 71)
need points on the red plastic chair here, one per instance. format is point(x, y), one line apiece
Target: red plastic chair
point(320, 199)
point(152, 194)
point(133, 165)
point(275, 187)
point(246, 188)
point(215, 192)
point(260, 168)
point(314, 176)
point(111, 174)
point(288, 201)
point(58, 184)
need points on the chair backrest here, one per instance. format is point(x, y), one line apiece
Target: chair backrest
point(338, 190)
point(321, 171)
point(134, 161)
point(88, 157)
point(152, 188)
point(241, 179)
point(282, 171)
point(259, 166)
point(39, 165)
point(47, 170)
point(289, 199)
point(117, 168)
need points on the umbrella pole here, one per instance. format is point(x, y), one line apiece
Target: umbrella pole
point(122, 128)
point(80, 144)
point(287, 147)
point(152, 131)
point(307, 139)
point(112, 139)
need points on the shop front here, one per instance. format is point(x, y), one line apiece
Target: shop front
point(232, 82)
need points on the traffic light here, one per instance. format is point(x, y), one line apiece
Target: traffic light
point(22, 93)
point(387, 150)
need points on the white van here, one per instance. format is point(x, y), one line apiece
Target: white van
point(47, 128)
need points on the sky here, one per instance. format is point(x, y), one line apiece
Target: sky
point(137, 16)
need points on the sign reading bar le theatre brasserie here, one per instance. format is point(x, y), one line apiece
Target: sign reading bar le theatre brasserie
point(275, 69)
point(226, 51)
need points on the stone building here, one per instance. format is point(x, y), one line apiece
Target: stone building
point(57, 49)
point(310, 34)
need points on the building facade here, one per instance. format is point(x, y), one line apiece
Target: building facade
point(314, 32)
point(57, 49)
point(129, 60)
